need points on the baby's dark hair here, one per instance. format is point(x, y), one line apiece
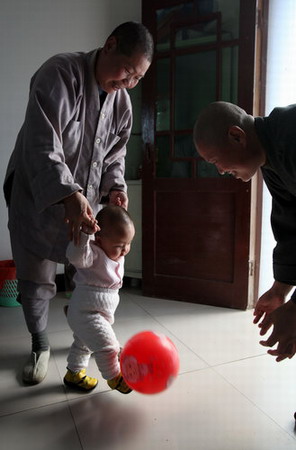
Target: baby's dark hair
point(134, 37)
point(113, 218)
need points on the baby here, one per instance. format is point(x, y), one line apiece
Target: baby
point(99, 261)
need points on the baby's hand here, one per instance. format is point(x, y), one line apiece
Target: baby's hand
point(89, 230)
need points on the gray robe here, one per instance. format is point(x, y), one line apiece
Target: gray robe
point(67, 143)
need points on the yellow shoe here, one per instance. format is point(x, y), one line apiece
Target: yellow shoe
point(79, 380)
point(119, 384)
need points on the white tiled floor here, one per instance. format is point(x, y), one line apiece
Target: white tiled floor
point(229, 394)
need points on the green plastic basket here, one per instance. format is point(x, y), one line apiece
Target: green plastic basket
point(8, 293)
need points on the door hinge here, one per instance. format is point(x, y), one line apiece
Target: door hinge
point(251, 268)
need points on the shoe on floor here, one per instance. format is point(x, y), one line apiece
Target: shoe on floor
point(35, 369)
point(119, 384)
point(79, 380)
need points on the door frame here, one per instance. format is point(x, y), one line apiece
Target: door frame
point(257, 180)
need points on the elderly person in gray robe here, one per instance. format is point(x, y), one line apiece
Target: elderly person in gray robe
point(69, 158)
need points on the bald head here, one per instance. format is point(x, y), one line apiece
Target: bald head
point(225, 135)
point(214, 121)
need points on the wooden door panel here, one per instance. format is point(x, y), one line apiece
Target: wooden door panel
point(200, 245)
point(196, 223)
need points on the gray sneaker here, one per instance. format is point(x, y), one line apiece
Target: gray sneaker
point(35, 369)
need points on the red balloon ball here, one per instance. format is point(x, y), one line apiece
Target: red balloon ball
point(149, 362)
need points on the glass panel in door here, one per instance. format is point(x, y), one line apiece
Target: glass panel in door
point(195, 86)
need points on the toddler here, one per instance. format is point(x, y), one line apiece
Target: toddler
point(99, 261)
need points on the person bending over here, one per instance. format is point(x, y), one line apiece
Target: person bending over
point(240, 144)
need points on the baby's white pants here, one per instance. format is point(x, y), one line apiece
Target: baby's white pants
point(90, 316)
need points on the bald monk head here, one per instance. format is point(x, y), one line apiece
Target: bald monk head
point(225, 135)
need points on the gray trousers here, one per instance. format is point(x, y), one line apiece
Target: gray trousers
point(36, 285)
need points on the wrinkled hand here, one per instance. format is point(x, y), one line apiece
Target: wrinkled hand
point(271, 300)
point(79, 216)
point(283, 320)
point(118, 198)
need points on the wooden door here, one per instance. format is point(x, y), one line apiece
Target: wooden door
point(196, 223)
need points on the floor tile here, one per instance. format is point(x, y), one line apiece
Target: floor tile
point(162, 307)
point(268, 384)
point(47, 428)
point(109, 421)
point(216, 335)
point(199, 411)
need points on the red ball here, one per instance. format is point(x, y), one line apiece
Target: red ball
point(149, 362)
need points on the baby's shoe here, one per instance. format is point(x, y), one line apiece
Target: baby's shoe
point(119, 384)
point(79, 380)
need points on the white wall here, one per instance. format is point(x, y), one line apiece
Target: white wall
point(30, 32)
point(280, 91)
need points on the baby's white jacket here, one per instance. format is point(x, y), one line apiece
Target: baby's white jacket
point(93, 266)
